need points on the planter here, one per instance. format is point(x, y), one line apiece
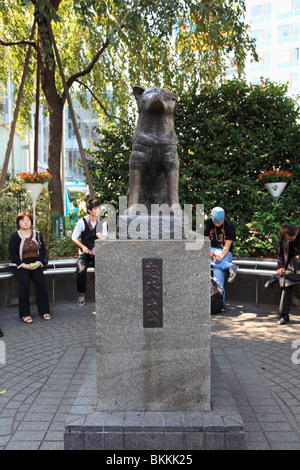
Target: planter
point(33, 191)
point(275, 189)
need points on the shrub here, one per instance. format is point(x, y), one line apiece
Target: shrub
point(228, 136)
point(14, 199)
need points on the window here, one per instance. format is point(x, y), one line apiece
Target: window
point(284, 8)
point(256, 11)
point(267, 59)
point(257, 34)
point(72, 167)
point(295, 81)
point(283, 56)
point(71, 132)
point(284, 31)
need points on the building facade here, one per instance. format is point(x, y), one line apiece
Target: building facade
point(86, 121)
point(22, 155)
point(275, 25)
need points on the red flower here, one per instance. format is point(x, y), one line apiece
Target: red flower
point(273, 176)
point(26, 177)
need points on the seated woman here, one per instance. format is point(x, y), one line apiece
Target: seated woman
point(27, 256)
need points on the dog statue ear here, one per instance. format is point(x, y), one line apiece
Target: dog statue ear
point(138, 91)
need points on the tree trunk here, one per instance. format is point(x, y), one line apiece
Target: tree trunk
point(54, 157)
point(55, 106)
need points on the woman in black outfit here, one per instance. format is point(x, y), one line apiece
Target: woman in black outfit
point(288, 264)
point(27, 256)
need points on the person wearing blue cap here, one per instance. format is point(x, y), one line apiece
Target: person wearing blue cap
point(221, 233)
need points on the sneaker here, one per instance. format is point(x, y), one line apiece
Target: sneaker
point(81, 300)
point(232, 273)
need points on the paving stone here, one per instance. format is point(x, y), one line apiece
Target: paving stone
point(46, 363)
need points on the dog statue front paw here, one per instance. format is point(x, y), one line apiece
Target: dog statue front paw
point(176, 209)
point(132, 210)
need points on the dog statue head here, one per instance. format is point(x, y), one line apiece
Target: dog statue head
point(155, 100)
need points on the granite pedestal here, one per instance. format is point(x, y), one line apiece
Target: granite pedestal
point(163, 368)
point(152, 386)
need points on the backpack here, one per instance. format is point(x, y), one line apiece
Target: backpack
point(216, 296)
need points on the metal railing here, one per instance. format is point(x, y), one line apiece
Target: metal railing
point(68, 266)
point(54, 267)
point(256, 268)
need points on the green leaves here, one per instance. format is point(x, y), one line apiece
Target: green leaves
point(43, 10)
point(87, 10)
point(143, 48)
point(227, 136)
point(109, 165)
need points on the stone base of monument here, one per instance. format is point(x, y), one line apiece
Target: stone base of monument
point(153, 385)
point(220, 428)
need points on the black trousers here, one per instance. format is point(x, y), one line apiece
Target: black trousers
point(23, 277)
point(84, 261)
point(285, 300)
point(291, 277)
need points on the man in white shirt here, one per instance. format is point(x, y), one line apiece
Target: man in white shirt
point(87, 230)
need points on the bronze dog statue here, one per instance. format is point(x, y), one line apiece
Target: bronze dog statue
point(154, 163)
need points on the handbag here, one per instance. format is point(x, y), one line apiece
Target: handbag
point(216, 296)
point(272, 281)
point(46, 257)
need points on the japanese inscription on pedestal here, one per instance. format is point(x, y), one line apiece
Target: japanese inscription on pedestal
point(152, 293)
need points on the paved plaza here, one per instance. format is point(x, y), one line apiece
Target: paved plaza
point(43, 365)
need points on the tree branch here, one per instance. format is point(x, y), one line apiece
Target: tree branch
point(95, 59)
point(110, 116)
point(17, 43)
point(88, 69)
